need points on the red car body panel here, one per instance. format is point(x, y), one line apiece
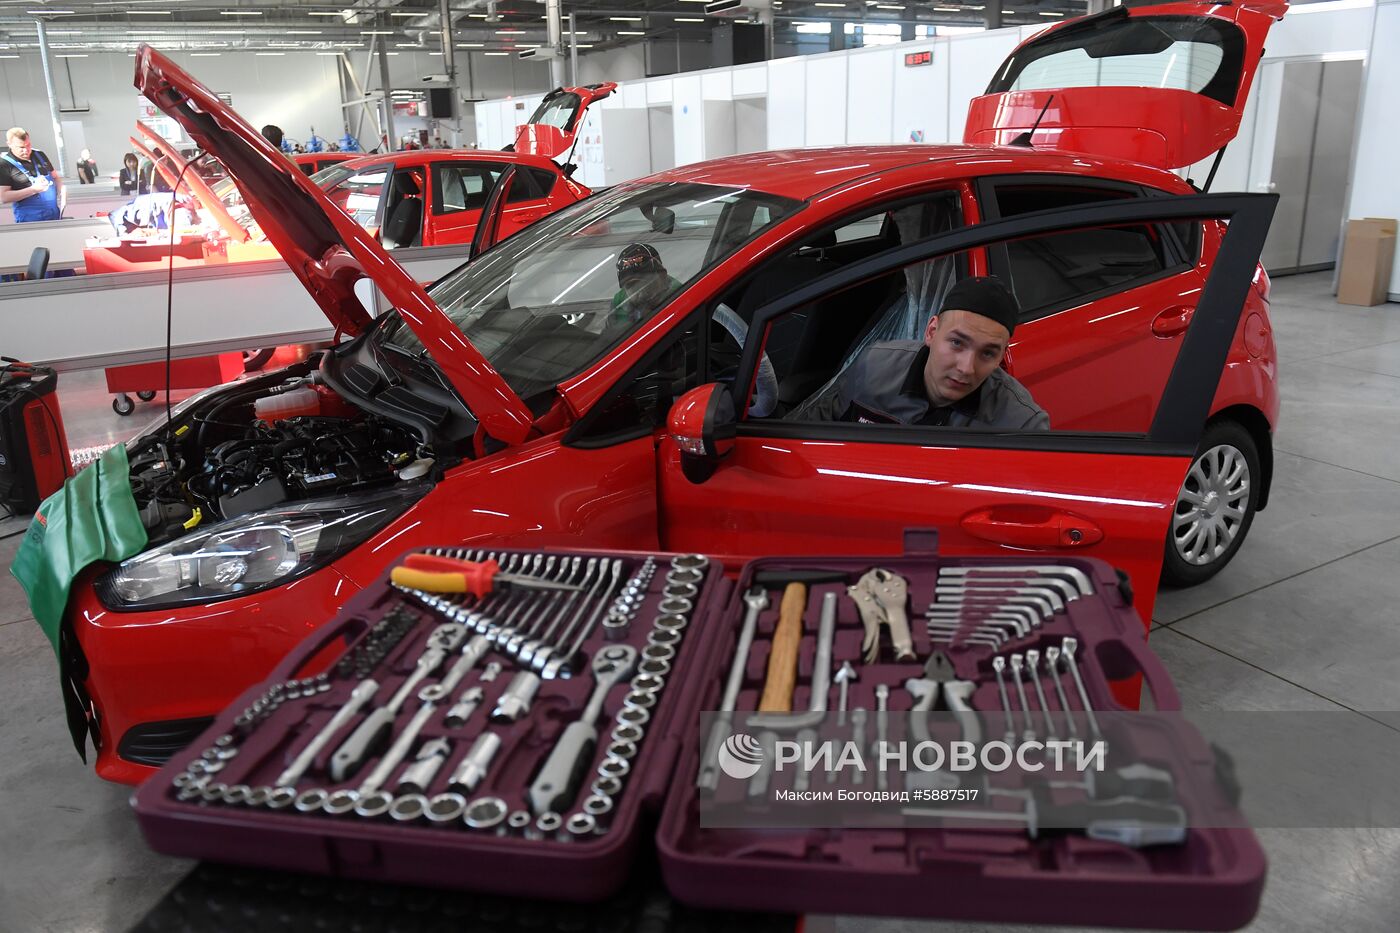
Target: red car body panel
point(327, 250)
point(1162, 126)
point(773, 494)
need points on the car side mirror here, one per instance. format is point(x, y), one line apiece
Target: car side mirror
point(703, 422)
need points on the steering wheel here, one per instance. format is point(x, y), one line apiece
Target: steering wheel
point(766, 384)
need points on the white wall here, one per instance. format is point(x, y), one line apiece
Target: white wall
point(1374, 190)
point(295, 91)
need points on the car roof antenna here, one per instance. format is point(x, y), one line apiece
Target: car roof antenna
point(1024, 139)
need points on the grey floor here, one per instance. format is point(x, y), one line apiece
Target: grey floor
point(1305, 618)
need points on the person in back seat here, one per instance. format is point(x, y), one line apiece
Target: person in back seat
point(953, 377)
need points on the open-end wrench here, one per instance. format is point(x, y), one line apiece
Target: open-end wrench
point(599, 606)
point(1052, 658)
point(570, 571)
point(592, 573)
point(554, 660)
point(1067, 649)
point(556, 785)
point(364, 690)
point(1016, 662)
point(999, 669)
point(755, 601)
point(1032, 669)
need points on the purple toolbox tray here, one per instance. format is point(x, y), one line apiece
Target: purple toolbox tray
point(1211, 881)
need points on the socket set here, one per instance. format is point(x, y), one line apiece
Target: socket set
point(519, 737)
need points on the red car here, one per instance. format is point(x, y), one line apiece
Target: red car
point(433, 197)
point(312, 162)
point(522, 400)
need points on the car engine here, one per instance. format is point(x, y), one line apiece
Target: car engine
point(215, 470)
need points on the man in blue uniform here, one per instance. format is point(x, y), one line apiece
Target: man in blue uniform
point(28, 180)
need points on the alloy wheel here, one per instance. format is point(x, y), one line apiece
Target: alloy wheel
point(1212, 504)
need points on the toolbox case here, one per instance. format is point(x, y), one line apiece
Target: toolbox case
point(1213, 880)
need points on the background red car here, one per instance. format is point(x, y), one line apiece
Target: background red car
point(515, 404)
point(433, 197)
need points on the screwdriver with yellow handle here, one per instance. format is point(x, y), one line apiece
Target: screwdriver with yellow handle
point(434, 574)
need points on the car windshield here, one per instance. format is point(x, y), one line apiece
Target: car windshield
point(553, 298)
point(1187, 53)
point(556, 111)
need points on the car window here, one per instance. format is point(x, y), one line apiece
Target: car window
point(548, 301)
point(1190, 53)
point(557, 110)
point(863, 229)
point(463, 186)
point(1057, 271)
point(359, 194)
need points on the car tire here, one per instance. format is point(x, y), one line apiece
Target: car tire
point(253, 360)
point(1214, 507)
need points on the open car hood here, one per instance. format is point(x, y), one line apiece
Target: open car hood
point(1162, 85)
point(327, 250)
point(553, 127)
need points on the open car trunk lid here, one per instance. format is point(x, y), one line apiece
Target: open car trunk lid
point(553, 127)
point(327, 250)
point(1161, 85)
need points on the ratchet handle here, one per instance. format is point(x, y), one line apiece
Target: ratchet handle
point(361, 744)
point(556, 785)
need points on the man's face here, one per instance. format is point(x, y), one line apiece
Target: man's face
point(644, 291)
point(21, 146)
point(963, 349)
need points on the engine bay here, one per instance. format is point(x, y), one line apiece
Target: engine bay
point(225, 456)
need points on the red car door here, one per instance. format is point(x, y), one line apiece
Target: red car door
point(458, 193)
point(841, 488)
point(1112, 301)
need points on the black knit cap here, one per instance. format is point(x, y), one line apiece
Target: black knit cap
point(638, 259)
point(985, 295)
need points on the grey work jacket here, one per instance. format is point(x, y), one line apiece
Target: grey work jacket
point(885, 384)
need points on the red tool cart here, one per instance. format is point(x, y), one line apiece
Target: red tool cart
point(146, 380)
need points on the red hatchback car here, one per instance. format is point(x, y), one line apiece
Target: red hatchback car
point(433, 197)
point(523, 399)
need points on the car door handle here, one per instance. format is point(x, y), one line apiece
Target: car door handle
point(1173, 321)
point(1031, 526)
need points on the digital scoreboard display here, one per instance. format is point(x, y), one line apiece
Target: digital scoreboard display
point(914, 59)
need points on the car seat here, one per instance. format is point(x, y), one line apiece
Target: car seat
point(404, 225)
point(38, 264)
point(904, 316)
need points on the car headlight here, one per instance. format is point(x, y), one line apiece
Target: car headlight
point(250, 553)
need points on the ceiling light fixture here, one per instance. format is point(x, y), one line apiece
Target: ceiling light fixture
point(240, 12)
point(148, 13)
point(1048, 13)
point(269, 53)
point(510, 32)
point(376, 32)
point(49, 13)
point(630, 32)
point(73, 55)
point(471, 45)
point(625, 19)
point(205, 54)
point(302, 32)
point(320, 13)
point(834, 6)
point(496, 53)
point(689, 19)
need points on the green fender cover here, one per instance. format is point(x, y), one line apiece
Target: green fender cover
point(92, 518)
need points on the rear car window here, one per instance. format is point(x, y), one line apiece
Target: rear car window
point(1187, 53)
point(1057, 271)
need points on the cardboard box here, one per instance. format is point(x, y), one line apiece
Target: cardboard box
point(1367, 256)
